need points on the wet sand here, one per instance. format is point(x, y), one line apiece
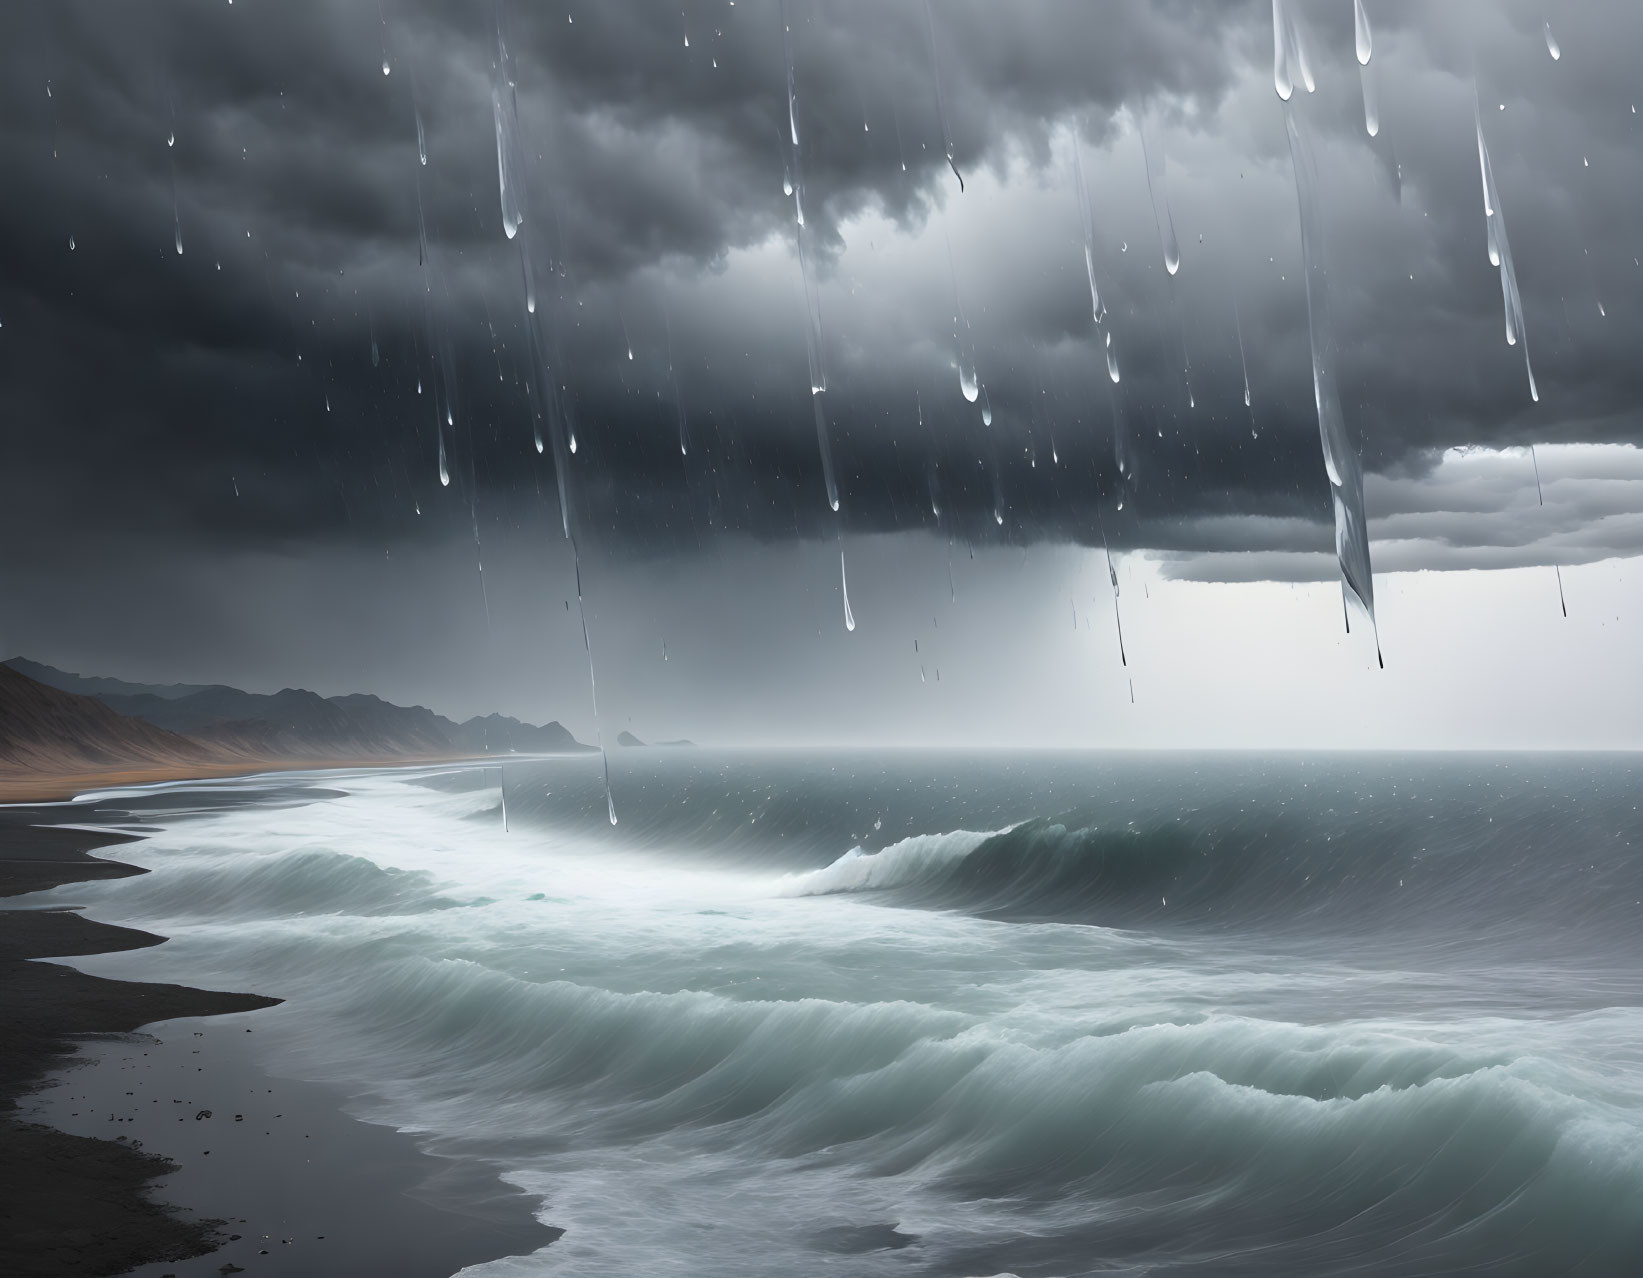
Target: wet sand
point(100, 1125)
point(50, 787)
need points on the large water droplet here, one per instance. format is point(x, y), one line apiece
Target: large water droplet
point(1282, 80)
point(1360, 31)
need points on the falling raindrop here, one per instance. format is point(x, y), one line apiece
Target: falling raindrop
point(986, 408)
point(1500, 255)
point(1371, 101)
point(1341, 461)
point(1551, 43)
point(844, 588)
point(1282, 80)
point(421, 138)
point(941, 102)
point(1087, 222)
point(1153, 156)
point(610, 800)
point(444, 470)
point(510, 207)
point(1243, 363)
point(1288, 53)
point(1112, 359)
point(386, 69)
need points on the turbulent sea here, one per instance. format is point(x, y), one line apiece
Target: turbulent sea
point(959, 1013)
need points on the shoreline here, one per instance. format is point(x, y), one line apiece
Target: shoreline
point(22, 789)
point(73, 1202)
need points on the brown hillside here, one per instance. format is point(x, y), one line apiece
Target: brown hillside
point(43, 730)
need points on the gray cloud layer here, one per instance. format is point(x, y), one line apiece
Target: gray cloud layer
point(228, 397)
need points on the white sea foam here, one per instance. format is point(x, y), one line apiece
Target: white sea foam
point(905, 862)
point(703, 1067)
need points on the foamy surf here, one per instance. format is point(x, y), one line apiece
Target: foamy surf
point(1358, 1032)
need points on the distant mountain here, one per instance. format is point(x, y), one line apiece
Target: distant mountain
point(498, 734)
point(628, 739)
point(96, 686)
point(46, 730)
point(297, 724)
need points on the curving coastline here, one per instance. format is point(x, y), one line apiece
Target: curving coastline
point(74, 1204)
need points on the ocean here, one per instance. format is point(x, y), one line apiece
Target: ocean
point(956, 1013)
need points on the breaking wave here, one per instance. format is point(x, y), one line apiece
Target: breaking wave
point(1273, 873)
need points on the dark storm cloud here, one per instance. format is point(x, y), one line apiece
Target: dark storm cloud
point(229, 396)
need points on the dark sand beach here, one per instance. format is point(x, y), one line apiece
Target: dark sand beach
point(136, 1138)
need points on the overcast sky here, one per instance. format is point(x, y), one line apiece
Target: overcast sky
point(224, 463)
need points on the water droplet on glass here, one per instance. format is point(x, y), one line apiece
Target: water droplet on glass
point(1340, 457)
point(507, 176)
point(1500, 255)
point(1282, 81)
